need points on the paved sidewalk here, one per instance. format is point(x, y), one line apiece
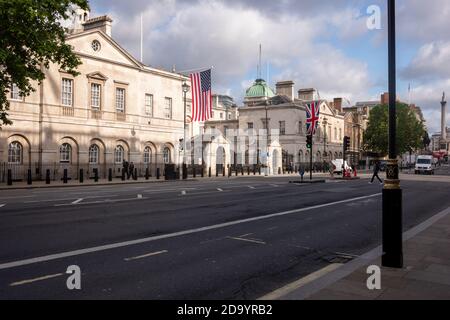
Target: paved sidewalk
point(426, 275)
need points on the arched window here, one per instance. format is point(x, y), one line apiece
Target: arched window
point(119, 155)
point(166, 155)
point(94, 152)
point(15, 152)
point(147, 155)
point(65, 153)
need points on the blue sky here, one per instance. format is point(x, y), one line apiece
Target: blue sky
point(323, 44)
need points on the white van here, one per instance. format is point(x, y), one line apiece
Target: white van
point(337, 166)
point(424, 164)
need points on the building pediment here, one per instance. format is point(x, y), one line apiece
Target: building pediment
point(98, 45)
point(97, 76)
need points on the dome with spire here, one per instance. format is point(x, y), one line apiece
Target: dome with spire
point(259, 89)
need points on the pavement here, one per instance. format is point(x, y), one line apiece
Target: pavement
point(242, 238)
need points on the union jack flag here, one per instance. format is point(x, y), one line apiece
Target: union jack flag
point(312, 117)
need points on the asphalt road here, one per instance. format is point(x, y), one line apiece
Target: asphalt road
point(217, 239)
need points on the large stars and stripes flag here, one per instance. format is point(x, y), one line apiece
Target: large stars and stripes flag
point(201, 96)
point(312, 117)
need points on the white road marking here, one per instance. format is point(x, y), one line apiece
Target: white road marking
point(2, 205)
point(277, 294)
point(146, 255)
point(167, 190)
point(77, 201)
point(98, 202)
point(20, 283)
point(183, 193)
point(246, 240)
point(68, 199)
point(67, 254)
point(251, 187)
point(219, 189)
point(139, 196)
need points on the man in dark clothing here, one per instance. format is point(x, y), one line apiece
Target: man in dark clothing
point(376, 171)
point(131, 171)
point(125, 166)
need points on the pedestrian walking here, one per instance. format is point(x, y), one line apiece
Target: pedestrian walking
point(131, 170)
point(376, 171)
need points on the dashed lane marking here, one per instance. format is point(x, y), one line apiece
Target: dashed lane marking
point(21, 283)
point(77, 201)
point(146, 256)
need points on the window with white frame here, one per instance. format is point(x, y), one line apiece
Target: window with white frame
point(15, 152)
point(120, 100)
point(67, 92)
point(119, 155)
point(168, 108)
point(94, 152)
point(147, 155)
point(96, 95)
point(149, 105)
point(15, 92)
point(166, 155)
point(65, 153)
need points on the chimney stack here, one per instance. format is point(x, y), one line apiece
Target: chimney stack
point(285, 88)
point(337, 103)
point(307, 94)
point(102, 23)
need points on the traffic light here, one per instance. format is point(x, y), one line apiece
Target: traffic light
point(309, 141)
point(346, 143)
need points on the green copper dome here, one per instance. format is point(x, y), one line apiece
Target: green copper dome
point(259, 89)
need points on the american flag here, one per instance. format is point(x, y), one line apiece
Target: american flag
point(312, 117)
point(201, 96)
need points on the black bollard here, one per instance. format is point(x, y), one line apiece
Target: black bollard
point(47, 177)
point(217, 173)
point(81, 178)
point(135, 175)
point(242, 170)
point(9, 177)
point(203, 172)
point(209, 172)
point(195, 172)
point(65, 178)
point(254, 170)
point(29, 180)
point(147, 174)
point(259, 170)
point(229, 172)
point(248, 171)
point(123, 175)
point(95, 175)
point(110, 175)
point(223, 172)
point(279, 171)
point(158, 174)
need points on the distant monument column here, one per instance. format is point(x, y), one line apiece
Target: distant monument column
point(444, 119)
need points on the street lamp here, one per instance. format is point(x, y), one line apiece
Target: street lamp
point(392, 192)
point(325, 123)
point(267, 140)
point(186, 89)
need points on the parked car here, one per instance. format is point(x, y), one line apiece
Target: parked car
point(338, 164)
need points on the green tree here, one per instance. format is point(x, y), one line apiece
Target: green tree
point(410, 131)
point(32, 37)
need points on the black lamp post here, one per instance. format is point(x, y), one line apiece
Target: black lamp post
point(186, 89)
point(392, 192)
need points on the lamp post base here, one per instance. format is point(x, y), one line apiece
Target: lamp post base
point(392, 218)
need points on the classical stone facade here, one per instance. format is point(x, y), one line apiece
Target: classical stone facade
point(117, 109)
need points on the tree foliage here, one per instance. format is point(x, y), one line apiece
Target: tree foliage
point(32, 37)
point(410, 131)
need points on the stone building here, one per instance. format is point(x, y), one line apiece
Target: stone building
point(117, 109)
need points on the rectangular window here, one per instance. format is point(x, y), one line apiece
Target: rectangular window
point(229, 117)
point(265, 124)
point(283, 128)
point(96, 90)
point(15, 92)
point(120, 100)
point(168, 108)
point(67, 92)
point(221, 115)
point(250, 125)
point(149, 105)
